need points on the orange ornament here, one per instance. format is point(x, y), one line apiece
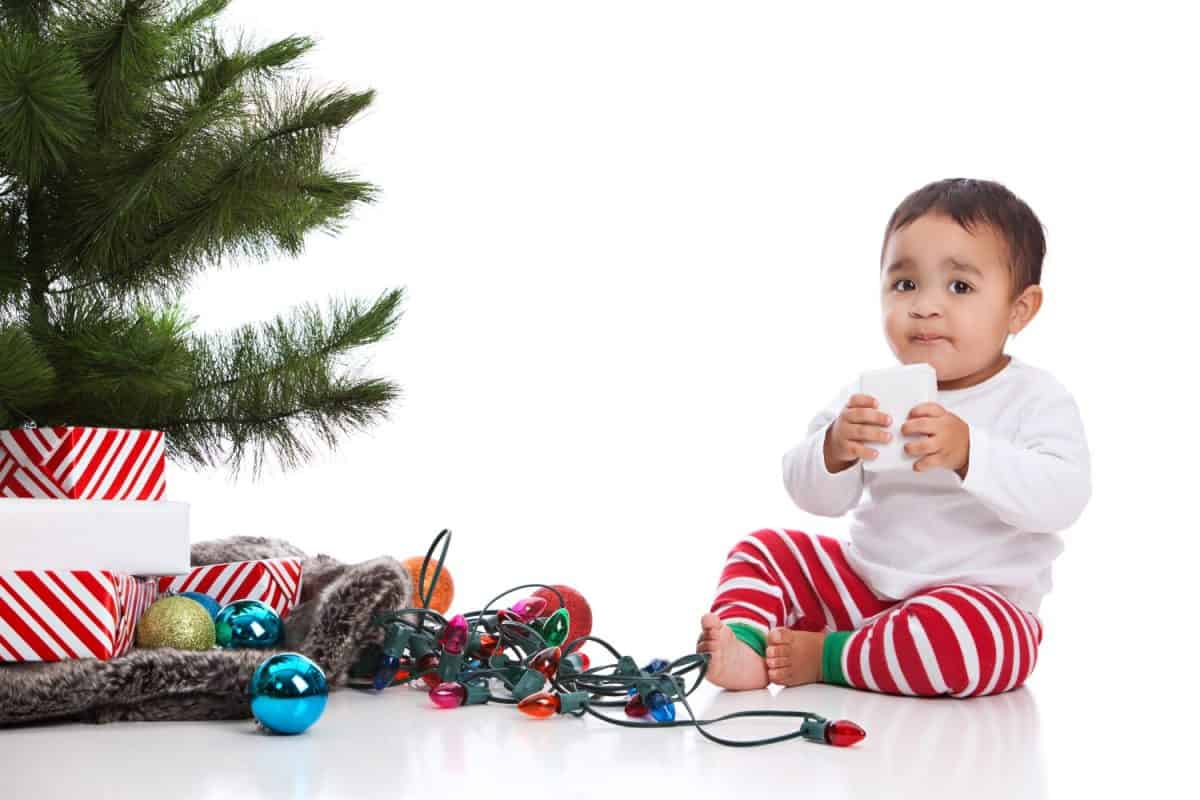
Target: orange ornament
point(443, 595)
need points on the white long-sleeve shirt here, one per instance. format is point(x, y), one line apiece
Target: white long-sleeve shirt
point(1028, 477)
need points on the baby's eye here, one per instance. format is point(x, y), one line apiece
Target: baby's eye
point(902, 280)
point(967, 288)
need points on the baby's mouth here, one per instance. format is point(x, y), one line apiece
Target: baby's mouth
point(927, 339)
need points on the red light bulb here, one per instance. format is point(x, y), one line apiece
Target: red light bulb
point(429, 661)
point(540, 705)
point(404, 670)
point(454, 637)
point(844, 733)
point(635, 707)
point(546, 661)
point(489, 645)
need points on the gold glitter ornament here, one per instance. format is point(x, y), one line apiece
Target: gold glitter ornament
point(178, 622)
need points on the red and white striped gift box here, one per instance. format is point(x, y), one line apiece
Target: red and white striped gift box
point(55, 615)
point(82, 463)
point(274, 581)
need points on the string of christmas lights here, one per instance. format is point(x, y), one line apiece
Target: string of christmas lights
point(461, 660)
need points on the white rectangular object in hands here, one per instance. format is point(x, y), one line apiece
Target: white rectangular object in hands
point(898, 390)
point(133, 537)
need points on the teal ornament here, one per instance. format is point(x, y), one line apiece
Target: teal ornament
point(210, 605)
point(288, 693)
point(248, 623)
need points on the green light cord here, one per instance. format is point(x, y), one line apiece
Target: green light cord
point(592, 681)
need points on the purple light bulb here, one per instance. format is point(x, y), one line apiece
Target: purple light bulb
point(528, 608)
point(448, 695)
point(454, 637)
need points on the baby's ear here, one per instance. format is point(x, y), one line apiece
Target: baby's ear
point(1024, 308)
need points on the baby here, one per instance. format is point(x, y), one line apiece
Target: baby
point(937, 590)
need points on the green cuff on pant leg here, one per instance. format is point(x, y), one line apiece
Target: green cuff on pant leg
point(831, 658)
point(750, 635)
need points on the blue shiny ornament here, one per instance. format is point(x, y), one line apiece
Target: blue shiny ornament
point(288, 693)
point(248, 623)
point(210, 605)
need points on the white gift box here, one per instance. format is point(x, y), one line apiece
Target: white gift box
point(131, 537)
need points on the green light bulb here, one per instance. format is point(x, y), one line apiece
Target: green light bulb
point(554, 630)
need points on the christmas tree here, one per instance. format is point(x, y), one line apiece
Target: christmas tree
point(138, 148)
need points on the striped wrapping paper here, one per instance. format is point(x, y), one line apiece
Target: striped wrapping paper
point(55, 615)
point(274, 581)
point(80, 463)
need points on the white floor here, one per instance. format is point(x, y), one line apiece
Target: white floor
point(398, 745)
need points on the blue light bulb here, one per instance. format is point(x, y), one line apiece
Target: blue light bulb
point(387, 670)
point(663, 711)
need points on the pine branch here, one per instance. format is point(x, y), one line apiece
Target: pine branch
point(265, 196)
point(12, 245)
point(115, 366)
point(28, 16)
point(119, 48)
point(321, 412)
point(195, 14)
point(196, 141)
point(275, 386)
point(45, 107)
point(26, 378)
point(307, 340)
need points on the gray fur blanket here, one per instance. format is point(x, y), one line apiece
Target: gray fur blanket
point(330, 624)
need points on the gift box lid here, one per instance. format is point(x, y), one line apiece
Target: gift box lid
point(79, 462)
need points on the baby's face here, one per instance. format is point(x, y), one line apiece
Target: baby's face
point(946, 296)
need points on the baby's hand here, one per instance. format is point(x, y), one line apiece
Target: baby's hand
point(947, 439)
point(859, 423)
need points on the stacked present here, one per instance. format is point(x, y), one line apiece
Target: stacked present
point(87, 544)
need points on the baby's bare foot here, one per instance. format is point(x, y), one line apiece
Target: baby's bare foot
point(732, 664)
point(794, 657)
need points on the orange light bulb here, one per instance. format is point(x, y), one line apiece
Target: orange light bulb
point(540, 705)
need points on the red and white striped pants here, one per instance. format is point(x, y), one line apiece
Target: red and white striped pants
point(957, 639)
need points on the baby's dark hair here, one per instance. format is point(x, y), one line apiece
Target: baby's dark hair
point(971, 202)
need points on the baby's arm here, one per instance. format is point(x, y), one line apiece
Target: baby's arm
point(1042, 481)
point(807, 478)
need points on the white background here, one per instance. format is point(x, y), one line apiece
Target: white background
point(640, 246)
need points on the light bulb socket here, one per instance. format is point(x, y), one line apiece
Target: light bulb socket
point(627, 666)
point(420, 645)
point(396, 639)
point(813, 729)
point(572, 701)
point(530, 682)
point(478, 693)
point(449, 665)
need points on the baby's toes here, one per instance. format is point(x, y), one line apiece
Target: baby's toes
point(778, 636)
